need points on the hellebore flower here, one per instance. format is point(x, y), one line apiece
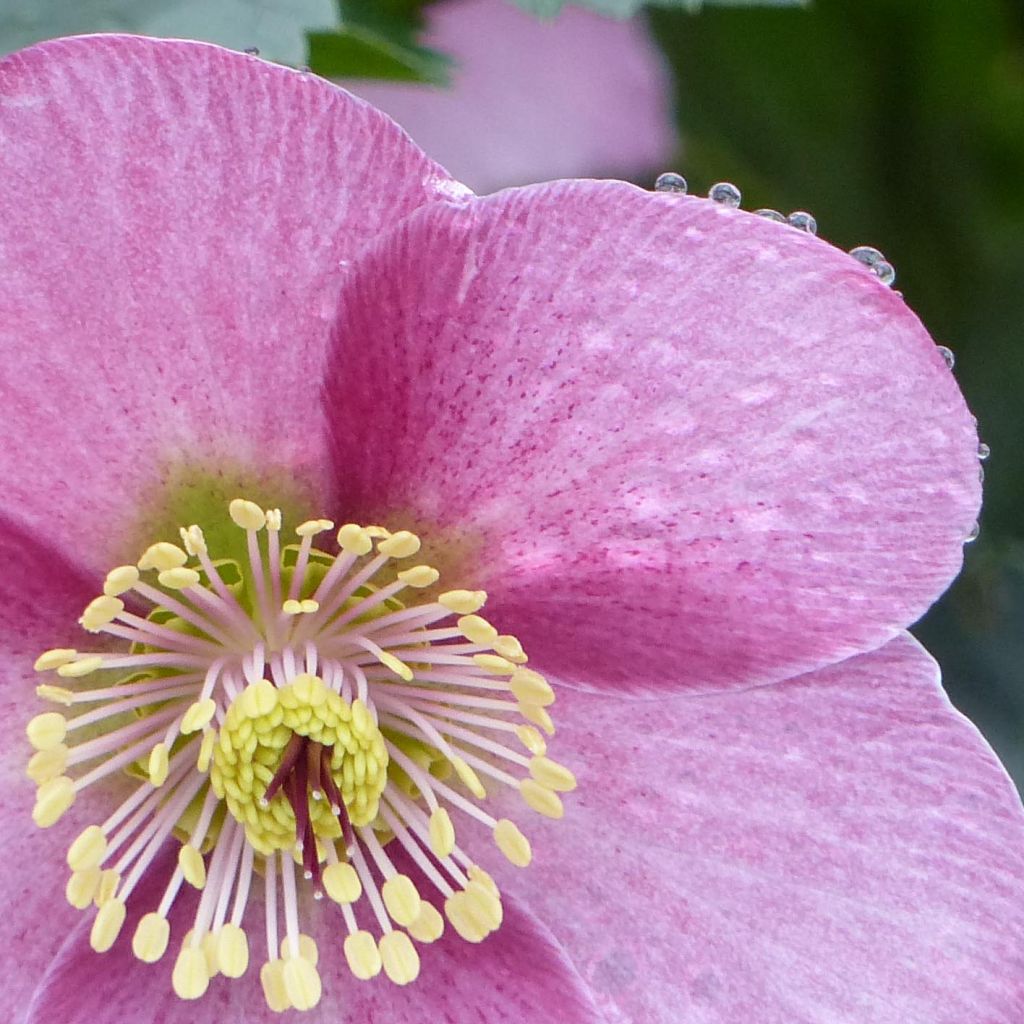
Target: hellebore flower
point(695, 459)
point(533, 99)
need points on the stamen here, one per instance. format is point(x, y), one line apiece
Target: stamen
point(306, 713)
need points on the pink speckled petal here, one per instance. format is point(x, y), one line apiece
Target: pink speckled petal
point(172, 221)
point(533, 99)
point(517, 976)
point(840, 847)
point(682, 447)
point(42, 595)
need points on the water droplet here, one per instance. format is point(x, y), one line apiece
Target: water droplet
point(947, 354)
point(726, 194)
point(973, 535)
point(983, 451)
point(803, 221)
point(981, 474)
point(867, 254)
point(670, 182)
point(253, 51)
point(771, 215)
point(885, 272)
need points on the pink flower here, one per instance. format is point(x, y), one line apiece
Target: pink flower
point(696, 459)
point(532, 99)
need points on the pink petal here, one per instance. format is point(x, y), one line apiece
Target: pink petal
point(42, 596)
point(682, 446)
point(172, 221)
point(517, 976)
point(533, 99)
point(840, 847)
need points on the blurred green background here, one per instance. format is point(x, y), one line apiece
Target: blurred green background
point(897, 124)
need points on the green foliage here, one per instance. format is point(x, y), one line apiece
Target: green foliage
point(377, 39)
point(627, 8)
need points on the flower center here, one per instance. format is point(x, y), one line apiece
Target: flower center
point(340, 724)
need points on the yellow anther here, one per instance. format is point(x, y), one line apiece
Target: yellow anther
point(378, 532)
point(47, 731)
point(354, 540)
point(396, 665)
point(53, 798)
point(259, 699)
point(463, 602)
point(44, 765)
point(538, 715)
point(54, 658)
point(107, 925)
point(209, 945)
point(152, 933)
point(402, 544)
point(302, 983)
point(100, 612)
point(192, 865)
point(419, 576)
point(82, 887)
point(191, 976)
point(341, 882)
point(541, 799)
point(120, 580)
point(477, 874)
point(429, 926)
point(178, 579)
point(510, 648)
point(83, 667)
point(512, 843)
point(311, 527)
point(159, 764)
point(310, 690)
point(272, 981)
point(494, 664)
point(469, 778)
point(399, 957)
point(442, 833)
point(401, 899)
point(57, 694)
point(198, 716)
point(362, 955)
point(206, 750)
point(247, 514)
point(88, 850)
point(486, 904)
point(477, 630)
point(273, 519)
point(463, 918)
point(109, 881)
point(531, 739)
point(161, 556)
point(292, 607)
point(531, 688)
point(232, 951)
point(552, 775)
point(307, 949)
point(193, 540)
point(308, 605)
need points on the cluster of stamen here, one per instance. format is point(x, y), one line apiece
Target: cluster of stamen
point(333, 719)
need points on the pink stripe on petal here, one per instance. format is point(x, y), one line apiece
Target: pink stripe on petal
point(532, 99)
point(840, 847)
point(687, 448)
point(174, 219)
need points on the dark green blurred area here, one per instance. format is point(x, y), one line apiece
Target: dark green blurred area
point(899, 125)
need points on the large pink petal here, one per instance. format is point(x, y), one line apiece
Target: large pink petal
point(518, 976)
point(681, 445)
point(173, 218)
point(532, 99)
point(42, 596)
point(841, 847)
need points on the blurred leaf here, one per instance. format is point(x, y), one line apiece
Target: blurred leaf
point(377, 39)
point(627, 8)
point(277, 29)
